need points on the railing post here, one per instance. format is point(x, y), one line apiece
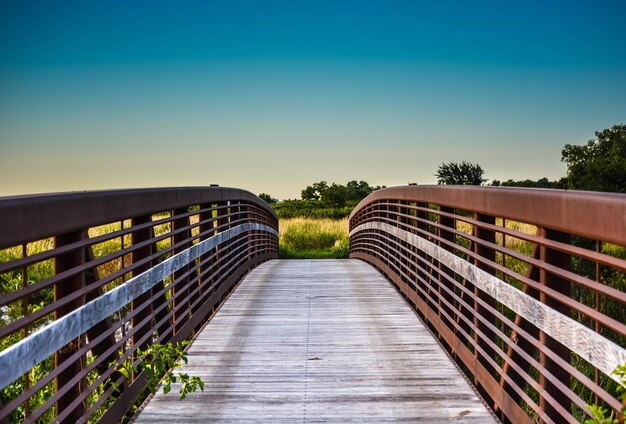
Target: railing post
point(251, 242)
point(207, 223)
point(421, 225)
point(449, 236)
point(64, 288)
point(223, 218)
point(140, 236)
point(522, 342)
point(561, 285)
point(92, 277)
point(182, 315)
point(479, 310)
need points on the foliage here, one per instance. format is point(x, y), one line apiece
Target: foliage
point(38, 398)
point(464, 173)
point(599, 165)
point(267, 198)
point(321, 200)
point(338, 195)
point(540, 183)
point(288, 209)
point(314, 191)
point(600, 415)
point(157, 363)
point(314, 238)
point(335, 195)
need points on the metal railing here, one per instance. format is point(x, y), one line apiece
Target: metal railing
point(89, 278)
point(524, 288)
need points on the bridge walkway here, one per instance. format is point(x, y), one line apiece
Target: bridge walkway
point(318, 341)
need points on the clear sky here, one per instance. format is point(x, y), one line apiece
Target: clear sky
point(272, 96)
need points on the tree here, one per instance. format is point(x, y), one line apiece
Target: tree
point(315, 191)
point(357, 190)
point(464, 173)
point(267, 198)
point(599, 165)
point(338, 195)
point(335, 195)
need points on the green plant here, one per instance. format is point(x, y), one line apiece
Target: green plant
point(599, 413)
point(157, 362)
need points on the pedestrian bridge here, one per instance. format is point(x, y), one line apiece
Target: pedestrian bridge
point(323, 340)
point(459, 304)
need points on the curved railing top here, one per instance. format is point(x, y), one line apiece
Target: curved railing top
point(561, 210)
point(67, 212)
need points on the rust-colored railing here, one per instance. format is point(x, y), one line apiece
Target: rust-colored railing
point(88, 278)
point(525, 288)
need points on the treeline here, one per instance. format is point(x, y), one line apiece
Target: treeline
point(599, 165)
point(321, 200)
point(540, 183)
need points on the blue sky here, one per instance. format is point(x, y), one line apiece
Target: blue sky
point(273, 96)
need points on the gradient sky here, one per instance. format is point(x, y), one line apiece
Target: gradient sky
point(272, 96)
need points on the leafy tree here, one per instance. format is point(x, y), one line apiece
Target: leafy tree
point(599, 165)
point(314, 192)
point(464, 173)
point(320, 200)
point(267, 198)
point(335, 195)
point(358, 190)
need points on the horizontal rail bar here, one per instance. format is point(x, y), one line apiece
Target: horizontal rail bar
point(19, 358)
point(523, 287)
point(593, 347)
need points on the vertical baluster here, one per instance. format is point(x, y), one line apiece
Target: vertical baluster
point(71, 285)
point(181, 288)
point(137, 237)
point(223, 219)
point(449, 236)
point(561, 285)
point(489, 254)
point(206, 224)
point(421, 230)
point(92, 277)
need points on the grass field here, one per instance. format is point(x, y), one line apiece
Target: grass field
point(309, 238)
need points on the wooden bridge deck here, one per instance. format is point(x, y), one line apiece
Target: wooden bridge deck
point(318, 341)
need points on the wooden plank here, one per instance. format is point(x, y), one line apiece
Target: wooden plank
point(318, 341)
point(22, 356)
point(591, 346)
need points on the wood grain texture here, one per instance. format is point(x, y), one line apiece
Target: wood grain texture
point(591, 346)
point(22, 356)
point(318, 341)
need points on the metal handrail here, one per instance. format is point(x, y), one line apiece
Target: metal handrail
point(171, 256)
point(523, 287)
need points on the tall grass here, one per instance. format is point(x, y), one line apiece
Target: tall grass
point(309, 238)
